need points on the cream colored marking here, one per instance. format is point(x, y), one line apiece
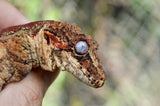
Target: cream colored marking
point(3, 51)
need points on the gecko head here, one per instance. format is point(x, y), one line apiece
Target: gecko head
point(85, 62)
point(77, 53)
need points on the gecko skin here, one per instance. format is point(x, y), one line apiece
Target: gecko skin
point(49, 45)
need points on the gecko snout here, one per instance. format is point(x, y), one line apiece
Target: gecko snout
point(98, 82)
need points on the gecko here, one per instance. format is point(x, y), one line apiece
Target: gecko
point(49, 45)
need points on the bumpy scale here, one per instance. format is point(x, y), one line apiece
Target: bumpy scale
point(49, 45)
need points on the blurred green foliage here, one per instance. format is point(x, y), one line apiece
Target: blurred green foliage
point(129, 38)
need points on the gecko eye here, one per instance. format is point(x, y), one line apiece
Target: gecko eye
point(81, 47)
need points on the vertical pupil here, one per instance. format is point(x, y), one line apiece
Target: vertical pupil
point(81, 47)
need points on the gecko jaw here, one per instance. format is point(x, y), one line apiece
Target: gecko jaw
point(73, 66)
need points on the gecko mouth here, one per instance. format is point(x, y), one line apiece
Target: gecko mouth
point(92, 80)
point(97, 83)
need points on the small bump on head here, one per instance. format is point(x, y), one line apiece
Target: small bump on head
point(81, 47)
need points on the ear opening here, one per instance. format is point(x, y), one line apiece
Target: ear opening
point(47, 39)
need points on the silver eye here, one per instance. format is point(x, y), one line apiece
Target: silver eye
point(81, 47)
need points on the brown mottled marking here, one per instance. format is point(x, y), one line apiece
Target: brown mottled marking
point(48, 44)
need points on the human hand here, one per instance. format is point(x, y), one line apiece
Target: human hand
point(31, 90)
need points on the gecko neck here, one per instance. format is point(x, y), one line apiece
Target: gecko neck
point(42, 51)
